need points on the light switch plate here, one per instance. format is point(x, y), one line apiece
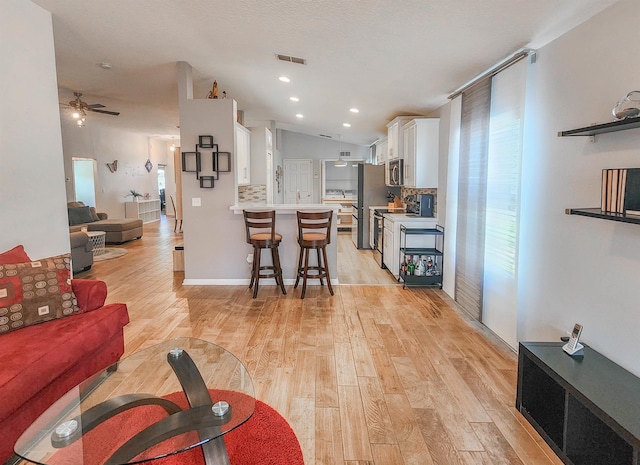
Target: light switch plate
point(196, 202)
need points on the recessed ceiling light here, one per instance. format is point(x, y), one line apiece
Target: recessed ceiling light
point(284, 79)
point(294, 99)
point(299, 115)
point(346, 125)
point(354, 110)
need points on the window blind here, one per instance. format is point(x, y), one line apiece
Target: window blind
point(472, 188)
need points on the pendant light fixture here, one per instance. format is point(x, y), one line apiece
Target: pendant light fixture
point(340, 163)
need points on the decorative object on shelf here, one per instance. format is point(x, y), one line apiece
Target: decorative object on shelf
point(620, 190)
point(148, 165)
point(134, 194)
point(279, 174)
point(213, 93)
point(627, 106)
point(113, 167)
point(192, 162)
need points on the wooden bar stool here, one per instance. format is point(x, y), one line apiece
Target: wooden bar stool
point(314, 232)
point(261, 234)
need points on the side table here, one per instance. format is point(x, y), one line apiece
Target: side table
point(97, 239)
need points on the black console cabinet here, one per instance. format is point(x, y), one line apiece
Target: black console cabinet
point(586, 407)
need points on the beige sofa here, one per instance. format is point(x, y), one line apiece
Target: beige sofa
point(117, 230)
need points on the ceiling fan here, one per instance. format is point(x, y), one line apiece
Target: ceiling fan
point(80, 109)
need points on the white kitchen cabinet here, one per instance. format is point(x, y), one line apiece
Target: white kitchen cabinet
point(381, 151)
point(394, 137)
point(421, 144)
point(387, 247)
point(261, 166)
point(243, 155)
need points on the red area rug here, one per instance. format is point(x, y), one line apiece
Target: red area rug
point(265, 439)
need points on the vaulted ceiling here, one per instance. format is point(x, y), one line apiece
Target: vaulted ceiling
point(383, 57)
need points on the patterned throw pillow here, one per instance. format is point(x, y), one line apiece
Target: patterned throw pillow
point(35, 292)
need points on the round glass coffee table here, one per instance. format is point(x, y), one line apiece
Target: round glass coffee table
point(160, 401)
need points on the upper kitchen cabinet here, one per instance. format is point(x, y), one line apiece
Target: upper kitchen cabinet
point(243, 155)
point(261, 168)
point(381, 151)
point(394, 137)
point(420, 140)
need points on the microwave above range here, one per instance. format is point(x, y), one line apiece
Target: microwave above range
point(396, 173)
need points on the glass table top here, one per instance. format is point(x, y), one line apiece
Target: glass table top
point(159, 401)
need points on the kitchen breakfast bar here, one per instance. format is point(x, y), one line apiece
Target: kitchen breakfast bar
point(287, 226)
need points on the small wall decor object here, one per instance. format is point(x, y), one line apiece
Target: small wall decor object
point(206, 182)
point(628, 106)
point(148, 165)
point(191, 162)
point(279, 174)
point(113, 167)
point(206, 142)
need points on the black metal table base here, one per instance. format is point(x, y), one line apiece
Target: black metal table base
point(203, 416)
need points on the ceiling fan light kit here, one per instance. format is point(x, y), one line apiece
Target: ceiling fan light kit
point(80, 109)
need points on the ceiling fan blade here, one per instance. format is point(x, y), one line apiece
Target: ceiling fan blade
point(95, 105)
point(114, 113)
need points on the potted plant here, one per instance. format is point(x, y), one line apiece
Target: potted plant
point(134, 194)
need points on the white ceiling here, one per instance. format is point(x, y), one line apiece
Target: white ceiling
point(385, 57)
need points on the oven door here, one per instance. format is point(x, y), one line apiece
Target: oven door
point(355, 217)
point(378, 237)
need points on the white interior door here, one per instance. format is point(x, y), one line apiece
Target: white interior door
point(84, 180)
point(298, 181)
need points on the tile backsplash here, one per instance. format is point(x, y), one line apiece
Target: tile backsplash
point(253, 193)
point(406, 191)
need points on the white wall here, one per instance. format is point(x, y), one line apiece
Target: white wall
point(303, 146)
point(106, 144)
point(581, 269)
point(32, 196)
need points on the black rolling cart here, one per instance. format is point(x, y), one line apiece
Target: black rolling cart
point(431, 254)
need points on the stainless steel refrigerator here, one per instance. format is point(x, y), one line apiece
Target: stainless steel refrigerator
point(371, 192)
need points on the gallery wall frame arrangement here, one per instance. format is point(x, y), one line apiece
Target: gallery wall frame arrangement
point(206, 161)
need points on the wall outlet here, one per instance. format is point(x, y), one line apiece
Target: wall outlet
point(249, 258)
point(196, 202)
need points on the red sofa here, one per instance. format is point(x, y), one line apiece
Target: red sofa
point(43, 361)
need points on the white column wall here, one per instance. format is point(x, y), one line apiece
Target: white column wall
point(32, 193)
point(581, 269)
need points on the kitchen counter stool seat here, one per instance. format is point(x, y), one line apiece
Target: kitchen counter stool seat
point(314, 232)
point(260, 231)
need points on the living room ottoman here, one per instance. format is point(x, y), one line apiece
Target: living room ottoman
point(118, 230)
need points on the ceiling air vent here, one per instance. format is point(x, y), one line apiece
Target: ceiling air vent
point(345, 154)
point(325, 135)
point(290, 59)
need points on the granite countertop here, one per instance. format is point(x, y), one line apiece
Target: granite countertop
point(283, 207)
point(409, 217)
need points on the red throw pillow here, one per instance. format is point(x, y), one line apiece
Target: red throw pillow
point(35, 292)
point(90, 293)
point(15, 255)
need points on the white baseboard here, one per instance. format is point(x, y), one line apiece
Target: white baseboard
point(245, 282)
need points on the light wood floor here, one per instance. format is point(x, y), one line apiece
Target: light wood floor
point(373, 375)
point(359, 266)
